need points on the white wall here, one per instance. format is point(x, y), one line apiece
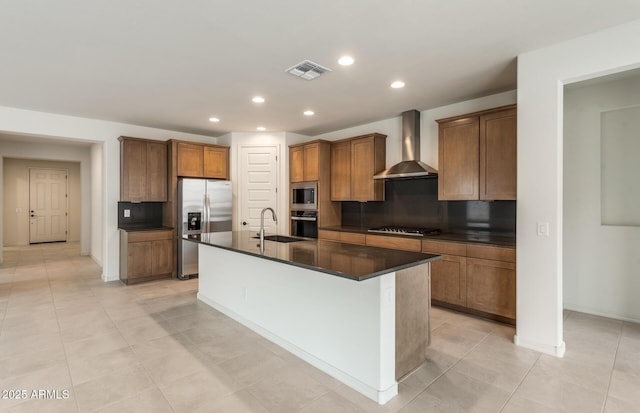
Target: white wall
point(52, 126)
point(97, 195)
point(600, 262)
point(428, 127)
point(541, 75)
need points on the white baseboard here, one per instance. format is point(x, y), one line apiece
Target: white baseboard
point(557, 351)
point(379, 396)
point(591, 311)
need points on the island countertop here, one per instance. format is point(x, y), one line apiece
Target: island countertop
point(356, 262)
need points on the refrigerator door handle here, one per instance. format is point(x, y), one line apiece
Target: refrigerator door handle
point(205, 225)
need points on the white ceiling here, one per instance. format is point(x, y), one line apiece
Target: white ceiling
point(172, 65)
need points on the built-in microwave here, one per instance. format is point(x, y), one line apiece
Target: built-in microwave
point(304, 196)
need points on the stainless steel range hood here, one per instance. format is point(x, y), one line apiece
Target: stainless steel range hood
point(411, 166)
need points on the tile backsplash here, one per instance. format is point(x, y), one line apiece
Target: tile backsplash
point(141, 214)
point(414, 203)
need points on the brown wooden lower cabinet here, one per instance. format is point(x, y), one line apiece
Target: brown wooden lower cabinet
point(138, 260)
point(491, 287)
point(145, 255)
point(449, 280)
point(479, 279)
point(476, 278)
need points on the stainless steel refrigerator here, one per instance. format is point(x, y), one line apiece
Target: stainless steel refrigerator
point(203, 206)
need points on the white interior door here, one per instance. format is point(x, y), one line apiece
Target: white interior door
point(47, 205)
point(258, 186)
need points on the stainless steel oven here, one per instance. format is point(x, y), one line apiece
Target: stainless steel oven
point(304, 196)
point(304, 224)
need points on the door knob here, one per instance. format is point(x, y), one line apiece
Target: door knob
point(244, 222)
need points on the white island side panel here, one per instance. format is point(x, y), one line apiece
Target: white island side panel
point(344, 327)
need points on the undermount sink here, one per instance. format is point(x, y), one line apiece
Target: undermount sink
point(280, 238)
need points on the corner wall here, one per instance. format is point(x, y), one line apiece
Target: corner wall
point(97, 195)
point(541, 76)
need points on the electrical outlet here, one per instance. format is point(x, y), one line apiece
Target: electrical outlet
point(127, 213)
point(390, 297)
point(543, 229)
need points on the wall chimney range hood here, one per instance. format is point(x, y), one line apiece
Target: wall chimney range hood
point(411, 166)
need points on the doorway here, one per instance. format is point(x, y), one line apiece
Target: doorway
point(601, 200)
point(258, 186)
point(48, 206)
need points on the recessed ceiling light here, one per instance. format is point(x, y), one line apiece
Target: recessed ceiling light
point(261, 128)
point(309, 112)
point(397, 84)
point(346, 61)
point(214, 120)
point(258, 99)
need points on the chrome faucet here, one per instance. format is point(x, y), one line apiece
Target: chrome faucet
point(261, 233)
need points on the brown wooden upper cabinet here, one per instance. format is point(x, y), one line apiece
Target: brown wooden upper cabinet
point(143, 170)
point(477, 155)
point(304, 161)
point(203, 161)
point(354, 161)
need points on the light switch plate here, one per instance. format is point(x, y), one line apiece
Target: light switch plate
point(127, 213)
point(543, 229)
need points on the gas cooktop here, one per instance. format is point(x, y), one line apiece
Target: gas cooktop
point(417, 232)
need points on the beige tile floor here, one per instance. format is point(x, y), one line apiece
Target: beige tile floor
point(155, 348)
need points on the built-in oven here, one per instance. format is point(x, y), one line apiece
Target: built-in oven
point(304, 196)
point(304, 224)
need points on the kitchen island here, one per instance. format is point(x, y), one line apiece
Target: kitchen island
point(358, 313)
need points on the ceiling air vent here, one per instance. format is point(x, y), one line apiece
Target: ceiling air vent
point(307, 70)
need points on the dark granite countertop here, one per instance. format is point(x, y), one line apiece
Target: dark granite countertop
point(479, 238)
point(356, 262)
point(137, 228)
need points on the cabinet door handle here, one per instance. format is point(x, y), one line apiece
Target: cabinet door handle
point(244, 222)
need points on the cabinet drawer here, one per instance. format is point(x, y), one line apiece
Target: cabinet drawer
point(393, 243)
point(348, 237)
point(353, 238)
point(489, 252)
point(141, 236)
point(444, 248)
point(329, 235)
